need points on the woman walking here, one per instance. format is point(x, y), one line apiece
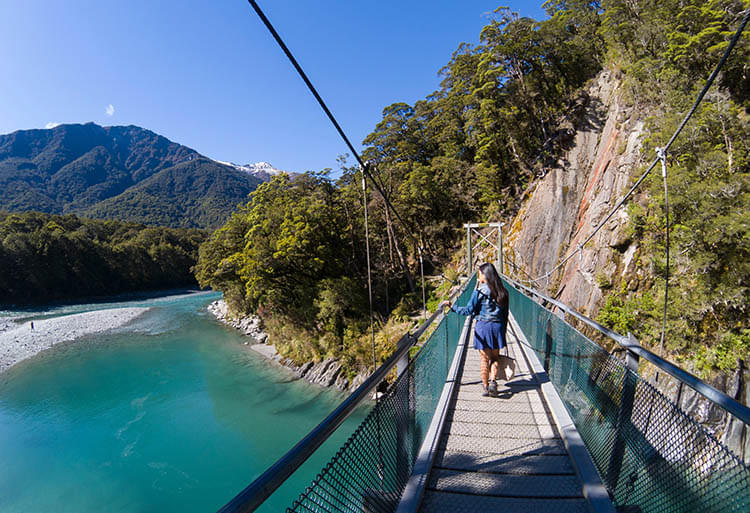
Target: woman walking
point(489, 303)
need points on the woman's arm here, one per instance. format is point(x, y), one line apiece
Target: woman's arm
point(470, 309)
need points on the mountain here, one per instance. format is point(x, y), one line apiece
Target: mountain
point(122, 172)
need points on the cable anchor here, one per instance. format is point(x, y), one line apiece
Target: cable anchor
point(662, 155)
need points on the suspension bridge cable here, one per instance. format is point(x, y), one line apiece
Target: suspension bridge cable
point(369, 273)
point(698, 100)
point(421, 273)
point(663, 158)
point(372, 318)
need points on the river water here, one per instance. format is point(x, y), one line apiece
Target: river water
point(168, 413)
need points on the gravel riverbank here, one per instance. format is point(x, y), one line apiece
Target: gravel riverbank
point(21, 341)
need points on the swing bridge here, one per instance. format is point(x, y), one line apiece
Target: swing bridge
point(575, 430)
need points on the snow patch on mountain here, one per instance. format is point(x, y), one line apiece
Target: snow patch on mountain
point(262, 170)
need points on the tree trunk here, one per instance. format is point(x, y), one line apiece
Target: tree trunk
point(399, 252)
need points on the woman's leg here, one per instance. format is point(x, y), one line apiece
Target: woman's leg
point(494, 357)
point(484, 366)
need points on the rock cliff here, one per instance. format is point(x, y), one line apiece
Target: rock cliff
point(561, 209)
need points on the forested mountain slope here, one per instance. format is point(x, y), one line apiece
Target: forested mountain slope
point(197, 193)
point(86, 168)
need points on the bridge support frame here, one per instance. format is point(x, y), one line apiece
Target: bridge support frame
point(474, 228)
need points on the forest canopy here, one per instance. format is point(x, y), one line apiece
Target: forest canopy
point(46, 257)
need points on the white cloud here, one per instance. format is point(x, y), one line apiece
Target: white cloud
point(110, 110)
point(51, 124)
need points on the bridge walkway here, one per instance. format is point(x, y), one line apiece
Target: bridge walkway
point(501, 453)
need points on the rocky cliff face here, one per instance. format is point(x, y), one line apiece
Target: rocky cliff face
point(562, 208)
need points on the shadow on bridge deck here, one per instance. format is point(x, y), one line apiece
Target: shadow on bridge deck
point(501, 453)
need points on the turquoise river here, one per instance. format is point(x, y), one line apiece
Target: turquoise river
point(171, 412)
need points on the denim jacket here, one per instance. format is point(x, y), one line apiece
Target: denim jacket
point(483, 306)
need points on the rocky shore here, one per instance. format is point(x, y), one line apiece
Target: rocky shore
point(250, 325)
point(326, 373)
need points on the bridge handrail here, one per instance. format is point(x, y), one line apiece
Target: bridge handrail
point(264, 485)
point(630, 344)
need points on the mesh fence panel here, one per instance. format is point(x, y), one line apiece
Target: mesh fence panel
point(651, 456)
point(368, 474)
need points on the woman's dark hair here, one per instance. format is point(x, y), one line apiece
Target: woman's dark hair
point(495, 284)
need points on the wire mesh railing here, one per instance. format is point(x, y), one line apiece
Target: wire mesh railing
point(368, 474)
point(651, 455)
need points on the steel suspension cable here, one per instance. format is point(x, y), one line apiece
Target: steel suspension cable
point(662, 155)
point(369, 273)
point(364, 165)
point(372, 320)
point(421, 273)
point(676, 133)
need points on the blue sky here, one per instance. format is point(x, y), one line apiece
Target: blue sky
point(208, 75)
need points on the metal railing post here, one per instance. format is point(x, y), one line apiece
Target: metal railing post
point(623, 415)
point(403, 392)
point(500, 262)
point(469, 259)
point(403, 363)
point(631, 359)
point(548, 345)
point(445, 344)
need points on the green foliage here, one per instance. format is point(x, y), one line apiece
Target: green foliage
point(724, 355)
point(617, 314)
point(295, 251)
point(671, 43)
point(603, 281)
point(46, 257)
point(495, 120)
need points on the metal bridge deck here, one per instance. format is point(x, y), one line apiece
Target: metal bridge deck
point(501, 453)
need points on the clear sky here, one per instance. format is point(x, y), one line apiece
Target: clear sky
point(207, 74)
